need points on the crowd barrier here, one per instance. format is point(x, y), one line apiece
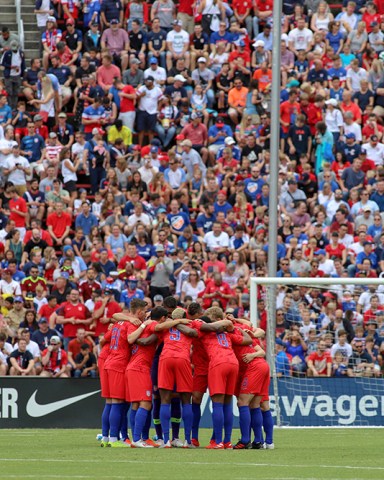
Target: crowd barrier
point(72, 403)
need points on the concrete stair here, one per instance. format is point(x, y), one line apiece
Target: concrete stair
point(32, 36)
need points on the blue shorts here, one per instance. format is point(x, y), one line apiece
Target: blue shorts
point(145, 122)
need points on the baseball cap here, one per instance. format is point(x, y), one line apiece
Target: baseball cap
point(52, 135)
point(51, 18)
point(292, 181)
point(37, 118)
point(331, 101)
point(62, 115)
point(259, 43)
point(55, 340)
point(350, 135)
point(179, 78)
point(186, 143)
point(154, 149)
point(241, 43)
point(180, 137)
point(150, 79)
point(162, 210)
point(153, 60)
point(202, 60)
point(229, 141)
point(222, 192)
point(367, 208)
point(367, 243)
point(159, 248)
point(136, 61)
point(67, 248)
point(321, 251)
point(374, 138)
point(177, 22)
point(114, 21)
point(19, 299)
point(158, 298)
point(108, 291)
point(70, 22)
point(42, 320)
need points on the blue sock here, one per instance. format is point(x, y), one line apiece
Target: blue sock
point(147, 426)
point(268, 426)
point(132, 419)
point(165, 418)
point(218, 420)
point(257, 424)
point(196, 411)
point(175, 417)
point(124, 420)
point(105, 419)
point(115, 419)
point(245, 424)
point(228, 421)
point(141, 418)
point(187, 420)
point(156, 417)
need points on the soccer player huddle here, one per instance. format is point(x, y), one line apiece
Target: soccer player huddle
point(159, 364)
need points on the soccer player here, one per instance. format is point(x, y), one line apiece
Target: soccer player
point(217, 339)
point(138, 376)
point(170, 303)
point(200, 363)
point(175, 372)
point(104, 344)
point(115, 365)
point(253, 384)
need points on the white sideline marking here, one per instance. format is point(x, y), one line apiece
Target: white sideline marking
point(152, 462)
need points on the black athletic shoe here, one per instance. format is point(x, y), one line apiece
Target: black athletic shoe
point(257, 445)
point(239, 446)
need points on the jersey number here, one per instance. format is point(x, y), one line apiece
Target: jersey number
point(115, 339)
point(134, 349)
point(222, 339)
point(174, 334)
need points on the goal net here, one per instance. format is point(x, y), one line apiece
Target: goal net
point(325, 342)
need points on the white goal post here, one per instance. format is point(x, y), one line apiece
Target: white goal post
point(316, 402)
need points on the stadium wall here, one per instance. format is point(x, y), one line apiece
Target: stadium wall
point(61, 403)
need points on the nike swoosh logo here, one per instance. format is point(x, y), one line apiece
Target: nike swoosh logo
point(36, 410)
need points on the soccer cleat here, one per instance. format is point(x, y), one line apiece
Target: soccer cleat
point(140, 444)
point(166, 445)
point(127, 441)
point(228, 446)
point(118, 444)
point(195, 442)
point(151, 443)
point(269, 446)
point(242, 446)
point(215, 446)
point(257, 445)
point(104, 444)
point(177, 443)
point(188, 445)
point(159, 443)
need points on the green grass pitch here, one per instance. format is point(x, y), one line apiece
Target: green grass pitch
point(311, 454)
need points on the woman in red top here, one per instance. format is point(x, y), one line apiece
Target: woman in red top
point(158, 185)
point(335, 249)
point(241, 205)
point(370, 15)
point(339, 165)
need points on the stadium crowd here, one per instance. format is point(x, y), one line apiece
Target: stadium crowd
point(134, 164)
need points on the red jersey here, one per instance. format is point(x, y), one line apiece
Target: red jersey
point(28, 284)
point(103, 355)
point(78, 311)
point(288, 113)
point(241, 350)
point(59, 223)
point(264, 5)
point(21, 206)
point(176, 344)
point(137, 262)
point(315, 115)
point(44, 236)
point(126, 104)
point(110, 309)
point(335, 251)
point(216, 267)
point(142, 357)
point(46, 311)
point(218, 347)
point(200, 359)
point(74, 346)
point(119, 348)
point(87, 288)
point(56, 360)
point(223, 288)
point(320, 361)
point(370, 315)
point(241, 6)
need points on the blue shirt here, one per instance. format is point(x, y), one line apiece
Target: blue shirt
point(214, 130)
point(35, 144)
point(253, 187)
point(93, 7)
point(282, 364)
point(337, 72)
point(86, 223)
point(145, 251)
point(111, 9)
point(379, 199)
point(205, 222)
point(126, 297)
point(362, 256)
point(5, 114)
point(222, 208)
point(183, 243)
point(216, 37)
point(178, 221)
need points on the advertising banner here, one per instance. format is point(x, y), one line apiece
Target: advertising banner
point(76, 403)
